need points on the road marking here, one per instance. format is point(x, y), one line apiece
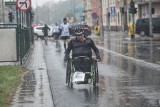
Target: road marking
point(158, 62)
point(158, 47)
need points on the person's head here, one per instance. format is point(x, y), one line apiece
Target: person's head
point(45, 25)
point(56, 24)
point(64, 20)
point(79, 33)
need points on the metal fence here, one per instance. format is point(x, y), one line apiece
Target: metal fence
point(25, 40)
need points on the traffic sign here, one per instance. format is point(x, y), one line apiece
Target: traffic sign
point(23, 5)
point(94, 15)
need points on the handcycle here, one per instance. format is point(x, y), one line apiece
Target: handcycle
point(92, 75)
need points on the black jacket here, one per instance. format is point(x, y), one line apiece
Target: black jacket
point(45, 29)
point(82, 48)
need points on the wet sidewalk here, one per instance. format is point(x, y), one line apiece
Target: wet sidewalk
point(34, 90)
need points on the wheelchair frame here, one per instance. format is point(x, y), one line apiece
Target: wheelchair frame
point(71, 70)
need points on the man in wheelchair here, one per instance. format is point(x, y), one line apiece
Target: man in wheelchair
point(81, 48)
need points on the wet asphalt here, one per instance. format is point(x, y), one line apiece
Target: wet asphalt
point(128, 76)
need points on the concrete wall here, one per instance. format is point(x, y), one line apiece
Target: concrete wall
point(8, 45)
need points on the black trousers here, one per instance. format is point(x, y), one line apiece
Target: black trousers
point(82, 64)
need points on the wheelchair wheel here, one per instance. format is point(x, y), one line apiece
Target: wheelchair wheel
point(95, 74)
point(69, 74)
point(70, 84)
point(97, 77)
point(68, 70)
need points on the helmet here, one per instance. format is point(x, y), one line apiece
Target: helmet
point(78, 31)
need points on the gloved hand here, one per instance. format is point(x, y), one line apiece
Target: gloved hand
point(98, 58)
point(66, 58)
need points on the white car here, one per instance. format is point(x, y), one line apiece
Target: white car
point(39, 34)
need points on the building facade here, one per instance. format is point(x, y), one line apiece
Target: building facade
point(114, 14)
point(88, 12)
point(93, 12)
point(111, 14)
point(143, 8)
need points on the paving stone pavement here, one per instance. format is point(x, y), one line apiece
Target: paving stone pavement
point(34, 90)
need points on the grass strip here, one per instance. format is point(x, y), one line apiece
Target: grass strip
point(10, 78)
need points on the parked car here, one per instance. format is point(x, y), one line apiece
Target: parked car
point(87, 30)
point(39, 34)
point(142, 26)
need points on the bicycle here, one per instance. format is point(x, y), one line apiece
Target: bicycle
point(58, 46)
point(46, 40)
point(92, 75)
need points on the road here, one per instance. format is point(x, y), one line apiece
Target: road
point(129, 75)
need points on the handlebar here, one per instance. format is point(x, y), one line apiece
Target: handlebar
point(81, 57)
point(98, 60)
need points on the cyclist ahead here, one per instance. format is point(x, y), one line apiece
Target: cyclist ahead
point(82, 46)
point(45, 30)
point(65, 30)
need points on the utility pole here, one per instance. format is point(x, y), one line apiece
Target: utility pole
point(150, 29)
point(125, 15)
point(48, 15)
point(3, 12)
point(74, 10)
point(37, 19)
point(150, 18)
point(55, 14)
point(101, 12)
point(108, 18)
point(84, 11)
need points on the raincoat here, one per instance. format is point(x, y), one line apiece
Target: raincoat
point(97, 30)
point(130, 29)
